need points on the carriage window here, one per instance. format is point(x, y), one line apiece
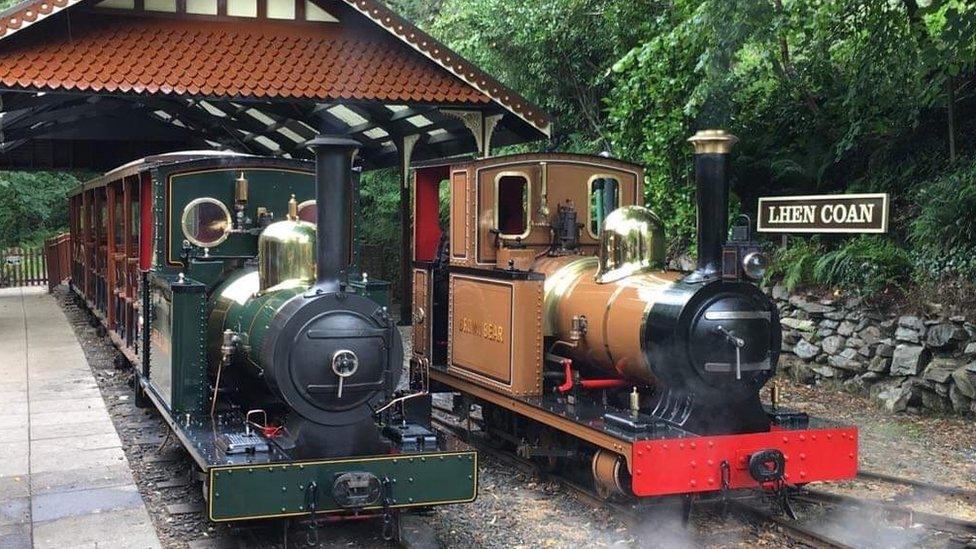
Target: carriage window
point(119, 223)
point(136, 218)
point(604, 198)
point(103, 222)
point(512, 205)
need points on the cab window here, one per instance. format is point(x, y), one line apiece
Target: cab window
point(512, 205)
point(604, 198)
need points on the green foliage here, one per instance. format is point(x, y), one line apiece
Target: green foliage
point(943, 235)
point(555, 52)
point(32, 206)
point(380, 222)
point(825, 96)
point(652, 106)
point(864, 264)
point(793, 264)
point(421, 12)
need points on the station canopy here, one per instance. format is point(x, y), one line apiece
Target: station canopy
point(91, 85)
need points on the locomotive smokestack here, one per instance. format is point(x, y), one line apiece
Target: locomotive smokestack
point(712, 149)
point(333, 191)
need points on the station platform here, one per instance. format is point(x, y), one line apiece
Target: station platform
point(64, 478)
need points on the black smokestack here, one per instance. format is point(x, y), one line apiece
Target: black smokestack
point(712, 149)
point(333, 191)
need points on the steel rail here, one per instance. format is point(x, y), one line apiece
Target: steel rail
point(795, 530)
point(628, 516)
point(916, 483)
point(930, 520)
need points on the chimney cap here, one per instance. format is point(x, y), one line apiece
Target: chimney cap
point(713, 142)
point(334, 141)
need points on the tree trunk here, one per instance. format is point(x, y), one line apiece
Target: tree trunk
point(951, 89)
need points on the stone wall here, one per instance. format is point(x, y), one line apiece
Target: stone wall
point(905, 362)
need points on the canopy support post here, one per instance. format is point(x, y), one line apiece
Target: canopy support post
point(405, 146)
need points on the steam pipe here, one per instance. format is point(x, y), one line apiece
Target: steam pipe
point(712, 149)
point(333, 192)
point(569, 382)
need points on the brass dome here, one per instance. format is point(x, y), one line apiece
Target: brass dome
point(631, 242)
point(286, 254)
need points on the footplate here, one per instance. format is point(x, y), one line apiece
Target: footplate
point(246, 492)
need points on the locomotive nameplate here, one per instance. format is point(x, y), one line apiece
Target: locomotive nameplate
point(495, 332)
point(838, 213)
point(481, 326)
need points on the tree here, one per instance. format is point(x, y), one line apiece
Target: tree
point(32, 206)
point(558, 53)
point(825, 96)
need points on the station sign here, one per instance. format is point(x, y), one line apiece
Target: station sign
point(834, 213)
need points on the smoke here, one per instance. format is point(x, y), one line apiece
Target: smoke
point(867, 528)
point(662, 526)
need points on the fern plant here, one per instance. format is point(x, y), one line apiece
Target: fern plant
point(865, 265)
point(793, 265)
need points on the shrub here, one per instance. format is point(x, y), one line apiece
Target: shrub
point(943, 235)
point(33, 206)
point(865, 265)
point(793, 264)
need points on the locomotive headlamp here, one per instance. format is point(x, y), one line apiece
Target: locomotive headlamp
point(754, 265)
point(741, 256)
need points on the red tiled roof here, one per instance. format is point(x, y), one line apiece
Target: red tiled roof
point(132, 54)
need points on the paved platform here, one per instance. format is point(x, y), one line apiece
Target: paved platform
point(64, 479)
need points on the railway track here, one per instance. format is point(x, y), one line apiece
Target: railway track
point(918, 484)
point(750, 507)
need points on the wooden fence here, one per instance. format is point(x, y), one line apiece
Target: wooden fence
point(48, 266)
point(22, 267)
point(57, 253)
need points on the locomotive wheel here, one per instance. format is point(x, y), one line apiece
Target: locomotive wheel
point(609, 470)
point(546, 440)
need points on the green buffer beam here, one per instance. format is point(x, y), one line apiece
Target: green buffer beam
point(276, 491)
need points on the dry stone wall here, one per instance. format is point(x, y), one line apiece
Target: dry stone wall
point(905, 362)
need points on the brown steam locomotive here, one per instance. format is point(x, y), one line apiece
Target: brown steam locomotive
point(545, 302)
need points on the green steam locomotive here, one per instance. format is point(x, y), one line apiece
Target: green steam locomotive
point(229, 282)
